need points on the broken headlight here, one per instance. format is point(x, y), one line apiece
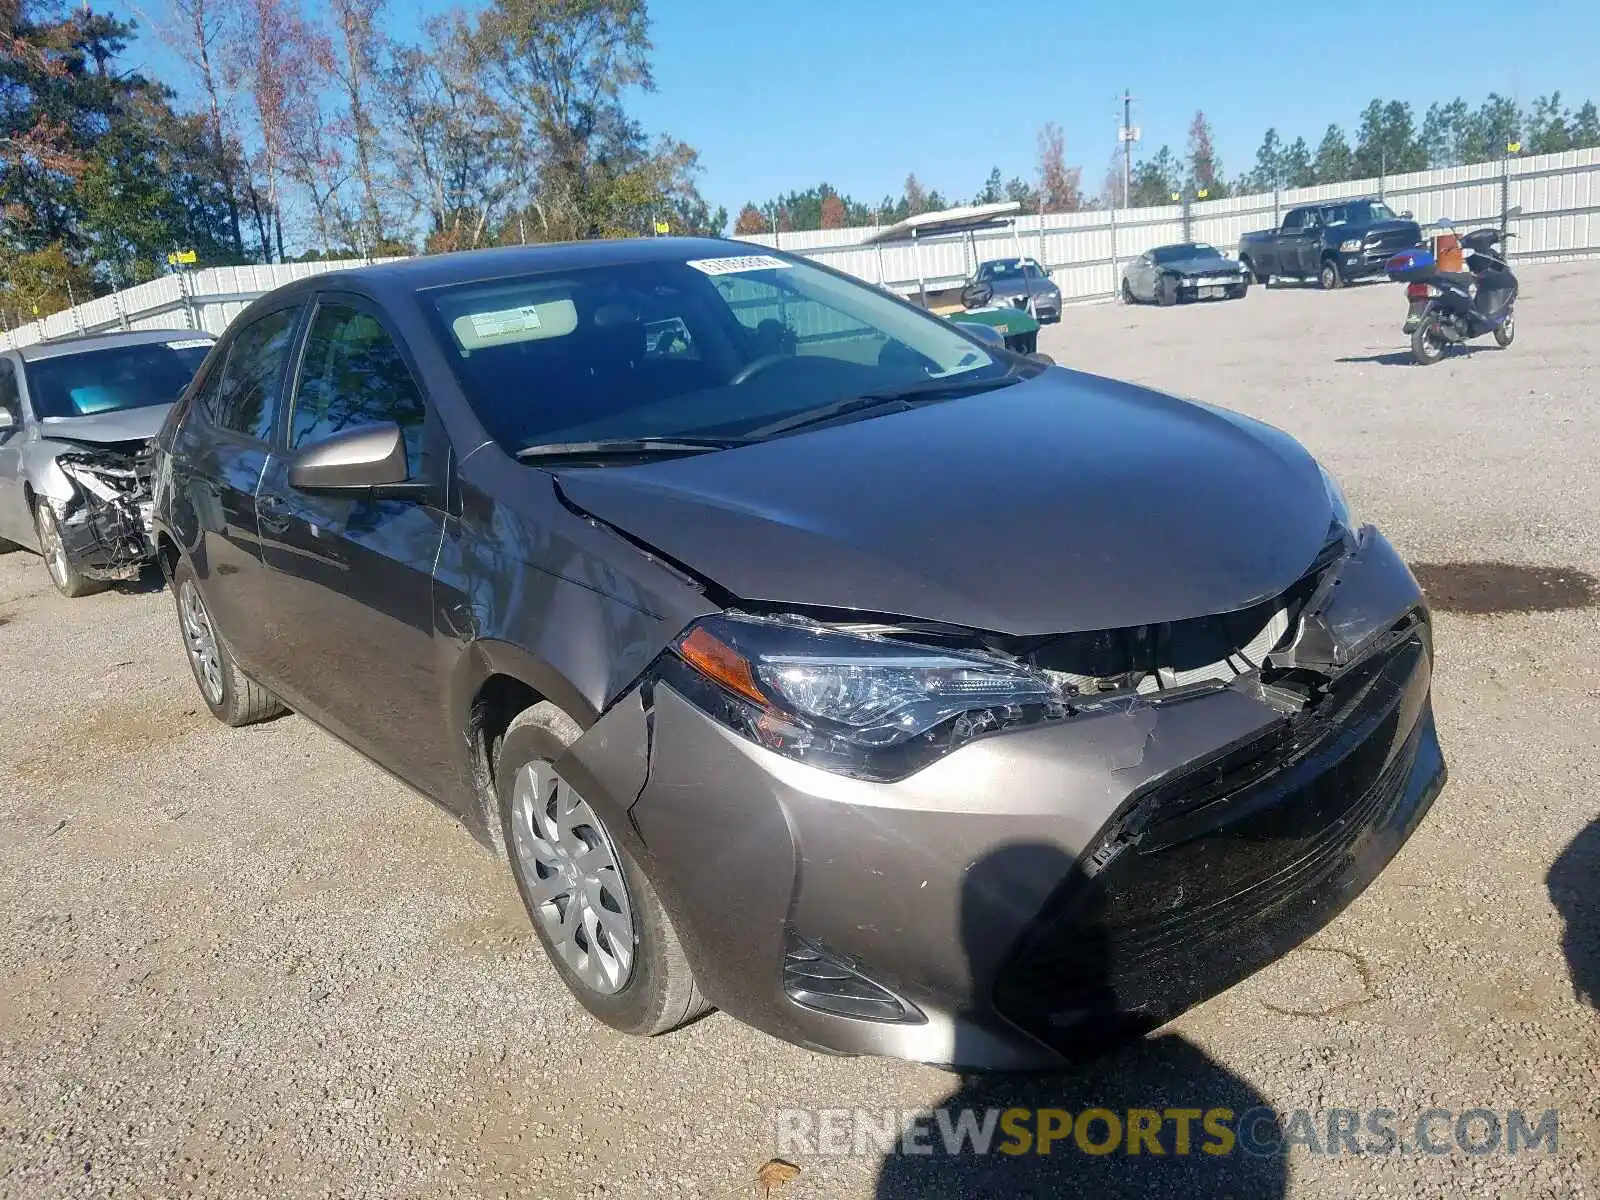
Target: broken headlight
point(865, 706)
point(1336, 500)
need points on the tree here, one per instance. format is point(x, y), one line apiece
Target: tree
point(1112, 192)
point(916, 197)
point(1497, 123)
point(1156, 179)
point(833, 214)
point(993, 189)
point(1444, 132)
point(750, 221)
point(1387, 142)
point(1205, 172)
point(354, 69)
point(1549, 126)
point(1021, 191)
point(1334, 162)
point(1585, 127)
point(1058, 183)
point(198, 30)
point(36, 283)
point(1268, 173)
point(1298, 171)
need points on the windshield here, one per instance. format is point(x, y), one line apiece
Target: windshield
point(714, 347)
point(1172, 254)
point(1364, 212)
point(114, 380)
point(1004, 270)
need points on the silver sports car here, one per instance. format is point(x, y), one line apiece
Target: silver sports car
point(77, 418)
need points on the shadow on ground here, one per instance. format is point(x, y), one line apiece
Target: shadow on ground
point(1403, 358)
point(1172, 1087)
point(1574, 883)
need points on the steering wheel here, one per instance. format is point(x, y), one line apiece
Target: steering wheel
point(756, 366)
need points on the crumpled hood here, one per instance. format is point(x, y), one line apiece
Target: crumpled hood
point(129, 425)
point(1063, 503)
point(1203, 266)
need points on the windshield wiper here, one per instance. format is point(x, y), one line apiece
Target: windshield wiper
point(628, 447)
point(927, 389)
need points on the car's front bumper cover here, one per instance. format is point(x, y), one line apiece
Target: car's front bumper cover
point(1033, 887)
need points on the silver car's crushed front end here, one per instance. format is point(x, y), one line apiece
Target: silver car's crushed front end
point(106, 522)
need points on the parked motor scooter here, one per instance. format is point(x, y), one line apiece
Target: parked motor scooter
point(1447, 308)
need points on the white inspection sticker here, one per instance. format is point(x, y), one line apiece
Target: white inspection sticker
point(737, 264)
point(506, 321)
point(190, 344)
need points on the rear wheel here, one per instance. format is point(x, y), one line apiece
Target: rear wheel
point(232, 696)
point(1330, 277)
point(1506, 332)
point(70, 582)
point(1428, 342)
point(598, 918)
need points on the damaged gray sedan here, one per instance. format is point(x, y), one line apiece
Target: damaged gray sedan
point(804, 655)
point(77, 421)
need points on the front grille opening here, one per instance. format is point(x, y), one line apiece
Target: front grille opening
point(818, 978)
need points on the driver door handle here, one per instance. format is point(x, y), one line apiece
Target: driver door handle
point(273, 512)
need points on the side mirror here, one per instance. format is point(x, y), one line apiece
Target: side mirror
point(8, 420)
point(1514, 211)
point(1039, 356)
point(981, 294)
point(1408, 215)
point(373, 456)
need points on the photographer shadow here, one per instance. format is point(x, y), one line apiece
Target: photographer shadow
point(1160, 1074)
point(1574, 883)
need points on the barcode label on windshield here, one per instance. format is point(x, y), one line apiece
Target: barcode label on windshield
point(738, 263)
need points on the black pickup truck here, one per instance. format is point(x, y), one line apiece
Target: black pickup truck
point(1331, 242)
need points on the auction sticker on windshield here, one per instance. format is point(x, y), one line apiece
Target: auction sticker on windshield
point(737, 264)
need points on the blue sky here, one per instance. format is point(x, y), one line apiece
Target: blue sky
point(779, 96)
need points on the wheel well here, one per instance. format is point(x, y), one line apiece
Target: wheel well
point(166, 555)
point(498, 701)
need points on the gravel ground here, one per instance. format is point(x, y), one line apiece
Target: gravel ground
point(248, 963)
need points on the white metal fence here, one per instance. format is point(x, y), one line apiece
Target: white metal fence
point(206, 299)
point(1559, 195)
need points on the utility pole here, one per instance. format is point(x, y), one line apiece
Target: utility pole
point(1127, 134)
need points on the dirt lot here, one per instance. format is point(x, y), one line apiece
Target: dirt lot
point(247, 963)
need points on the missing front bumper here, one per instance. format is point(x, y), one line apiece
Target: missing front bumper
point(105, 524)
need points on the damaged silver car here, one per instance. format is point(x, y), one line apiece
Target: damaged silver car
point(77, 421)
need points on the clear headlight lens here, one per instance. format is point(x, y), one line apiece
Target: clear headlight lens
point(1350, 245)
point(866, 706)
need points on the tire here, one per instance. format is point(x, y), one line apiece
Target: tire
point(232, 696)
point(1506, 332)
point(1329, 277)
point(654, 991)
point(1248, 265)
point(1427, 344)
point(1167, 292)
point(70, 582)
point(1239, 292)
point(1127, 294)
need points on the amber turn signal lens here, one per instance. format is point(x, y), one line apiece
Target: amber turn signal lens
point(717, 660)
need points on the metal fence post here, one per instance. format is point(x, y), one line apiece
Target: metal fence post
point(1116, 272)
point(189, 319)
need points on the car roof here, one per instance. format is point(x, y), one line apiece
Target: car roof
point(403, 275)
point(88, 343)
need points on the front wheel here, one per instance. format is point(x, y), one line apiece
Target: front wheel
point(70, 582)
point(1506, 332)
point(1127, 293)
point(600, 922)
point(1330, 277)
point(1167, 292)
point(1428, 341)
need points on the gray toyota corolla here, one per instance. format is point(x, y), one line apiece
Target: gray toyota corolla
point(805, 656)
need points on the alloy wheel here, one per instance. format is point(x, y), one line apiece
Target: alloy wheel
point(200, 640)
point(54, 550)
point(573, 882)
